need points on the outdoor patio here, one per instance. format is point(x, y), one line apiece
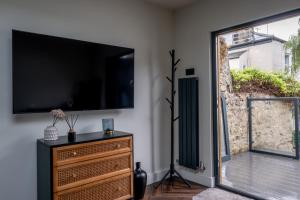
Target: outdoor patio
point(268, 176)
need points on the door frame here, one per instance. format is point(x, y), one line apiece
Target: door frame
point(214, 72)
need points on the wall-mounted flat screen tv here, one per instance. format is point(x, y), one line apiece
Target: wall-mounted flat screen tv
point(53, 72)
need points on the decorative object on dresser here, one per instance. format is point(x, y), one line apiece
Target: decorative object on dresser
point(96, 166)
point(71, 121)
point(51, 132)
point(140, 182)
point(108, 125)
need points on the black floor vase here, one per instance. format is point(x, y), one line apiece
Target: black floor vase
point(140, 182)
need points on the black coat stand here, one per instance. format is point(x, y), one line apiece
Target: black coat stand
point(172, 173)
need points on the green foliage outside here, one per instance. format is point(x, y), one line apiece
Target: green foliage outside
point(293, 44)
point(254, 80)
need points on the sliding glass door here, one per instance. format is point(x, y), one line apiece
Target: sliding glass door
point(256, 90)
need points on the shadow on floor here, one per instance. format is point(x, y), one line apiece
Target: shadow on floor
point(179, 191)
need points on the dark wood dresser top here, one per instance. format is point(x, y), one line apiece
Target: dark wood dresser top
point(83, 138)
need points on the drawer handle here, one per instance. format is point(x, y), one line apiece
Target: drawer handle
point(74, 175)
point(74, 153)
point(118, 146)
point(118, 189)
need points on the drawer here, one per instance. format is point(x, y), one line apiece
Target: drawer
point(118, 187)
point(80, 173)
point(86, 151)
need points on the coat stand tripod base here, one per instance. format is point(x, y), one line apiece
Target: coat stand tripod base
point(172, 174)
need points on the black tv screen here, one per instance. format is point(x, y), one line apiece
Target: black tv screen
point(52, 72)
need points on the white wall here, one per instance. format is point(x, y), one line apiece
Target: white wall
point(193, 27)
point(267, 56)
point(131, 23)
point(278, 56)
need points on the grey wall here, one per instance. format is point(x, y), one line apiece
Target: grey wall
point(131, 23)
point(193, 27)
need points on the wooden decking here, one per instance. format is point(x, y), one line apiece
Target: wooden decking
point(266, 176)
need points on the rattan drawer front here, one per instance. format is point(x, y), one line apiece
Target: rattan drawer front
point(80, 173)
point(119, 187)
point(81, 152)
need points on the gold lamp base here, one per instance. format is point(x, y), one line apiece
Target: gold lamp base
point(109, 132)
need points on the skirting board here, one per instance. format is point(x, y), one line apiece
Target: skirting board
point(195, 177)
point(156, 176)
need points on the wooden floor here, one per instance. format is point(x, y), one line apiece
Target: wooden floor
point(179, 191)
point(266, 176)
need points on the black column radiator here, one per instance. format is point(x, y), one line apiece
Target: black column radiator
point(188, 123)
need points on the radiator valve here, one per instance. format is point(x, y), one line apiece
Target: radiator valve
point(201, 166)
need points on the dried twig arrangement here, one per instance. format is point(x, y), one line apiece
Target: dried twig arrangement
point(58, 114)
point(71, 121)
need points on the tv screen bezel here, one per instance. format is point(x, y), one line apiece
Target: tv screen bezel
point(71, 110)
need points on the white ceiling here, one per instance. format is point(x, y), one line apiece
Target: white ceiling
point(172, 4)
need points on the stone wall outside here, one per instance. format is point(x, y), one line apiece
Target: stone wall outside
point(273, 123)
point(273, 126)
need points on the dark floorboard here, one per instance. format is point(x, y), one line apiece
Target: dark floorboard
point(270, 177)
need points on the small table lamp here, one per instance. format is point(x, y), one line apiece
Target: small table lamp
point(108, 126)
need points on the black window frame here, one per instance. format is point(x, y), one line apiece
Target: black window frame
point(214, 107)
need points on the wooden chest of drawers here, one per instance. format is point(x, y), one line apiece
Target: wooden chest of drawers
point(94, 167)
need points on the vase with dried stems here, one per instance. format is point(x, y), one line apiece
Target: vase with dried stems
point(51, 132)
point(71, 121)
